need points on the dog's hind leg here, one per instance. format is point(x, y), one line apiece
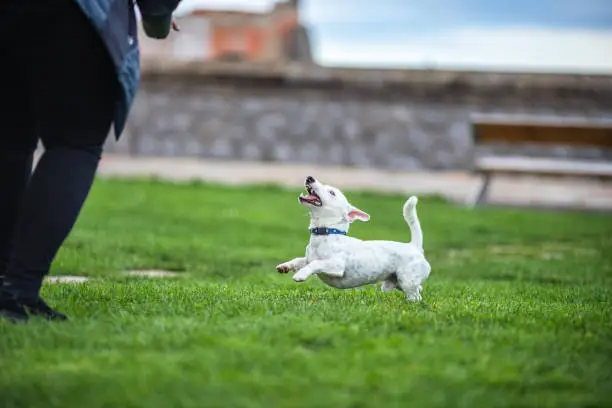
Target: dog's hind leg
point(410, 277)
point(389, 284)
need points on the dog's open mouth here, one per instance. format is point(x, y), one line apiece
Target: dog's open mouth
point(310, 197)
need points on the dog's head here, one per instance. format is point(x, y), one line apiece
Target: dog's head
point(328, 206)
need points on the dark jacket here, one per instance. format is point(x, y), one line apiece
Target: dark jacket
point(115, 21)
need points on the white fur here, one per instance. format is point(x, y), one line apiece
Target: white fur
point(346, 262)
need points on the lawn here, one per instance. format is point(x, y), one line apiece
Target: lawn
point(516, 312)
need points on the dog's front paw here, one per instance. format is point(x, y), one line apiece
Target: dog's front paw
point(283, 268)
point(300, 277)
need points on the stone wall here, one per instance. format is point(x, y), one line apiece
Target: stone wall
point(403, 126)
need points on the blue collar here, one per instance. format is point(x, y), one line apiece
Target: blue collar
point(326, 231)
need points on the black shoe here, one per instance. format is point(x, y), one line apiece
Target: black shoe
point(20, 310)
point(12, 310)
point(40, 308)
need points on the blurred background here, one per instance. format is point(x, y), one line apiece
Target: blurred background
point(425, 88)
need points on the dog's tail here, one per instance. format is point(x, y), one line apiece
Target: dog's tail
point(410, 215)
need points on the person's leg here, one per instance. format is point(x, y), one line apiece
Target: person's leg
point(75, 91)
point(18, 137)
point(16, 158)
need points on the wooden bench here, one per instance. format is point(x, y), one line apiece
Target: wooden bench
point(496, 130)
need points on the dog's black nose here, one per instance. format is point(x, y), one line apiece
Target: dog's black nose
point(310, 180)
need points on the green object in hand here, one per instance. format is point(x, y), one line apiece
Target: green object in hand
point(157, 26)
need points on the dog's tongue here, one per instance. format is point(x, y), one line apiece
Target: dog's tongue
point(311, 197)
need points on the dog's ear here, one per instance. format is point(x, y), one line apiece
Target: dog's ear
point(356, 214)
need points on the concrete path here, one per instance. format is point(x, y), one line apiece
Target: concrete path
point(459, 187)
point(148, 273)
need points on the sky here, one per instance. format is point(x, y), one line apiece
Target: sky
point(519, 35)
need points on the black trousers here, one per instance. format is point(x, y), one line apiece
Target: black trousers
point(58, 87)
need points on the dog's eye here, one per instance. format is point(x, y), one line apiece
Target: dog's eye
point(332, 193)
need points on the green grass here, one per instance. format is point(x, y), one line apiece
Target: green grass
point(516, 312)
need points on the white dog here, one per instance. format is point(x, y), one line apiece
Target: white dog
point(345, 262)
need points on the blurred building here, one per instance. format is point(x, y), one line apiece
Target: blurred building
point(225, 35)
